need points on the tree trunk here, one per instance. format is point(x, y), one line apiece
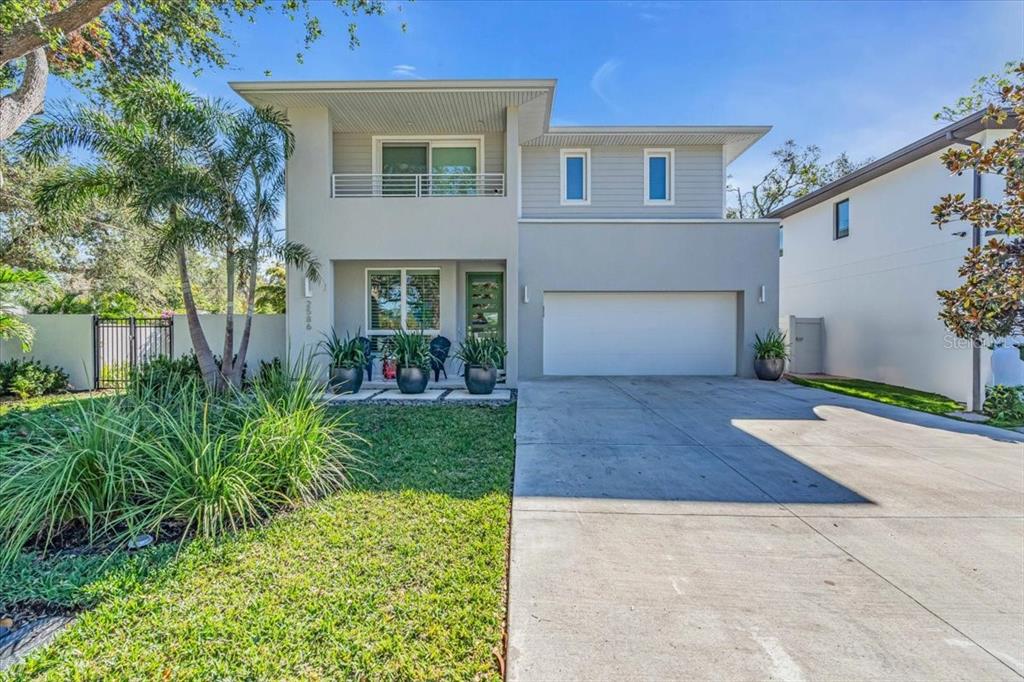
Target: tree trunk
point(227, 359)
point(250, 301)
point(18, 106)
point(207, 365)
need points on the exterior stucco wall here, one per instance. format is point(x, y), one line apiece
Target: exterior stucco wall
point(617, 184)
point(723, 256)
point(876, 289)
point(420, 229)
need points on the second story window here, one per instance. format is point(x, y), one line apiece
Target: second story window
point(658, 166)
point(575, 176)
point(842, 219)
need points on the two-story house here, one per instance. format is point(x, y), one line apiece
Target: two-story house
point(454, 207)
point(863, 255)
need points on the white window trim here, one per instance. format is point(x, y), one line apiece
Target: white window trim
point(403, 309)
point(670, 176)
point(565, 154)
point(477, 141)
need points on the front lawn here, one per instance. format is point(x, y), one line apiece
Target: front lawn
point(402, 576)
point(882, 393)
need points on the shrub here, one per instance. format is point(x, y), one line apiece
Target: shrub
point(408, 349)
point(1005, 403)
point(160, 373)
point(771, 346)
point(31, 378)
point(347, 354)
point(171, 454)
point(482, 351)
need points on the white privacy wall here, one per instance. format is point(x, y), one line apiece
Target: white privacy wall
point(876, 289)
point(67, 341)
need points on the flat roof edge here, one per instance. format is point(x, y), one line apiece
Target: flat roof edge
point(412, 85)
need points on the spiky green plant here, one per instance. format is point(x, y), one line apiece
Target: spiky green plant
point(347, 353)
point(408, 349)
point(481, 351)
point(771, 346)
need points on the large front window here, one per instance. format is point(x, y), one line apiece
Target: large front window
point(430, 167)
point(403, 298)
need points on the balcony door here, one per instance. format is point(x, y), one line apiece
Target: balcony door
point(430, 166)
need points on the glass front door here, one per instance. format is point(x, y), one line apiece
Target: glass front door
point(485, 304)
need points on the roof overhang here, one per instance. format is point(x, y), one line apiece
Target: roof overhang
point(961, 131)
point(411, 107)
point(734, 139)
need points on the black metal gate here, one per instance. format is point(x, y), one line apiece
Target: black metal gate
point(121, 344)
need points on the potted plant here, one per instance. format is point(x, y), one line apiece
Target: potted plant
point(770, 355)
point(347, 362)
point(411, 355)
point(480, 357)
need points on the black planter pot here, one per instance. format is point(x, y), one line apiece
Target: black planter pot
point(412, 379)
point(345, 379)
point(481, 380)
point(769, 369)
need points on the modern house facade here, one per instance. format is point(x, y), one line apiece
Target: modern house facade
point(454, 207)
point(863, 255)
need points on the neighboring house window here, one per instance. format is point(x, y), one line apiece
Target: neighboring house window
point(403, 298)
point(658, 181)
point(575, 176)
point(842, 219)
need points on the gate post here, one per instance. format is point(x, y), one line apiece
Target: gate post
point(95, 352)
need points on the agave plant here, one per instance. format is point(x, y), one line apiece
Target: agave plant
point(407, 349)
point(771, 346)
point(347, 353)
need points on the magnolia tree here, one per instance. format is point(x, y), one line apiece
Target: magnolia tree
point(990, 300)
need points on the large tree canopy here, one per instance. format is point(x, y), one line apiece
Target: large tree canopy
point(797, 171)
point(102, 42)
point(990, 300)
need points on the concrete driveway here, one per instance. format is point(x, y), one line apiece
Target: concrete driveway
point(720, 528)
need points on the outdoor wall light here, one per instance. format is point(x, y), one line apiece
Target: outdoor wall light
point(306, 289)
point(763, 295)
point(526, 294)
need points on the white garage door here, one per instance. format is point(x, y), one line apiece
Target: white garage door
point(595, 333)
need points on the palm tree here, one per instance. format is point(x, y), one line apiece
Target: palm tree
point(14, 285)
point(181, 165)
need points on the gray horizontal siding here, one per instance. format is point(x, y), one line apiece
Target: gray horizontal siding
point(353, 153)
point(617, 184)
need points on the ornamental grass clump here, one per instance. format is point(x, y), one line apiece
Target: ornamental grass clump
point(172, 458)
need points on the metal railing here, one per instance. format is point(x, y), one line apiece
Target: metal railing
point(418, 185)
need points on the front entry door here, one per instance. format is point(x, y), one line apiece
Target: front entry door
point(485, 303)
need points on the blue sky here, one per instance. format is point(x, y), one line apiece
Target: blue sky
point(861, 77)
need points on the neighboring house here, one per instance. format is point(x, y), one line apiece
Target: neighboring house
point(454, 207)
point(862, 254)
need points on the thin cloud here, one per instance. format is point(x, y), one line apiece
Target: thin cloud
point(600, 82)
point(405, 71)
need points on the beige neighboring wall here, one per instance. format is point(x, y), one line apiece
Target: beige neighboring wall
point(64, 341)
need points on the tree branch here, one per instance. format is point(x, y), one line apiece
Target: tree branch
point(31, 36)
point(27, 100)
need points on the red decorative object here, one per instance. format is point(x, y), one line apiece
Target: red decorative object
point(388, 369)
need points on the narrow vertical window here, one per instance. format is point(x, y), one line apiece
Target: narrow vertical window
point(658, 167)
point(842, 219)
point(575, 176)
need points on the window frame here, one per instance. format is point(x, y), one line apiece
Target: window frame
point(669, 154)
point(563, 156)
point(835, 220)
point(431, 141)
point(403, 307)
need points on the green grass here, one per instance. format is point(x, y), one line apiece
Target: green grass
point(400, 577)
point(883, 393)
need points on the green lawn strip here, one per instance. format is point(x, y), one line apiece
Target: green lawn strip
point(882, 393)
point(400, 577)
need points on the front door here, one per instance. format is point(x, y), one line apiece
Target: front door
point(485, 303)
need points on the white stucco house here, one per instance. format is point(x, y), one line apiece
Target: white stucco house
point(453, 207)
point(863, 255)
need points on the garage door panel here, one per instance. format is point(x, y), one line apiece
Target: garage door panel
point(623, 333)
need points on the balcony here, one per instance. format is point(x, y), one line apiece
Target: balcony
point(345, 185)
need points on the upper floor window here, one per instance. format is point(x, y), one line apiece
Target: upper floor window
point(658, 165)
point(575, 176)
point(842, 219)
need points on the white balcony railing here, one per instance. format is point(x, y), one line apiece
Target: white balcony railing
point(418, 185)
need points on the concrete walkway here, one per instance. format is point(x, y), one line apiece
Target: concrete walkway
point(729, 529)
